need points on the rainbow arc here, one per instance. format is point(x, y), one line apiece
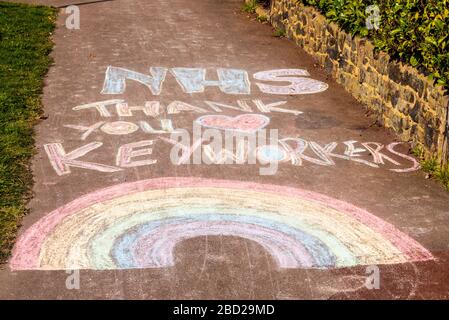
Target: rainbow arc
point(138, 225)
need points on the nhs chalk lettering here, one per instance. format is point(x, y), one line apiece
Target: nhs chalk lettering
point(230, 81)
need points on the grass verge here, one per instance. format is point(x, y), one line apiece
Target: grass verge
point(24, 47)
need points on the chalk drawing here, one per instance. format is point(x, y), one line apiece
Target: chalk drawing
point(115, 79)
point(176, 107)
point(288, 149)
point(270, 153)
point(127, 152)
point(214, 153)
point(87, 130)
point(123, 128)
point(155, 108)
point(100, 106)
point(231, 81)
point(138, 225)
point(298, 85)
point(119, 128)
point(166, 127)
point(241, 123)
point(375, 149)
point(352, 150)
point(416, 165)
point(62, 161)
point(325, 154)
point(150, 108)
point(184, 149)
point(242, 106)
point(268, 108)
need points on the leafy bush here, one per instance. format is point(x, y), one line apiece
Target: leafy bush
point(413, 31)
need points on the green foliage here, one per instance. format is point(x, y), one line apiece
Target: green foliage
point(413, 31)
point(278, 33)
point(432, 166)
point(250, 6)
point(262, 19)
point(429, 165)
point(442, 174)
point(418, 151)
point(24, 47)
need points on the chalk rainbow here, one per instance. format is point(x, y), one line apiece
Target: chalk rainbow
point(138, 224)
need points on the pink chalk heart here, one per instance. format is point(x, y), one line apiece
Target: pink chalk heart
point(243, 123)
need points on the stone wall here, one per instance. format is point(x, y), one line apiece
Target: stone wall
point(402, 98)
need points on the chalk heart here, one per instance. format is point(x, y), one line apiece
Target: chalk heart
point(244, 122)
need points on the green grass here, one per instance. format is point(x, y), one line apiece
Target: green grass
point(250, 7)
point(278, 33)
point(432, 167)
point(262, 19)
point(440, 173)
point(24, 47)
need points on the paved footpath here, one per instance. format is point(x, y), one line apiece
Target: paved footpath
point(345, 203)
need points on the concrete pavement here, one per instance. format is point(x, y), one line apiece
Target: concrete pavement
point(346, 197)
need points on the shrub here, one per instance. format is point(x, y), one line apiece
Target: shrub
point(413, 31)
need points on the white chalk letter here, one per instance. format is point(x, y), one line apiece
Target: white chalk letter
point(62, 161)
point(298, 84)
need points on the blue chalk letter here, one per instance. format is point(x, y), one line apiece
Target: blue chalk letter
point(114, 81)
point(231, 81)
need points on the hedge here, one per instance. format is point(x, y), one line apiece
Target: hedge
point(413, 31)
